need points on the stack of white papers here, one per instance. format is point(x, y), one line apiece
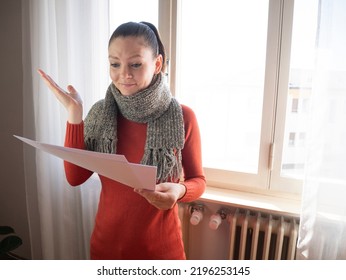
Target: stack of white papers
point(113, 166)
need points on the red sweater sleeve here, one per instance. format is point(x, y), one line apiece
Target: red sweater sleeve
point(74, 138)
point(194, 178)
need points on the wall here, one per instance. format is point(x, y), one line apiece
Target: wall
point(12, 184)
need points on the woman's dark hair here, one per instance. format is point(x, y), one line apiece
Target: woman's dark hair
point(145, 30)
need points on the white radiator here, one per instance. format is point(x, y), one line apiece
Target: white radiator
point(261, 236)
point(218, 232)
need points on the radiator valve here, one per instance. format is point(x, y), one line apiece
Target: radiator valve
point(216, 219)
point(196, 211)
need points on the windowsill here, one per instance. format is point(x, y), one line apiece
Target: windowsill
point(253, 201)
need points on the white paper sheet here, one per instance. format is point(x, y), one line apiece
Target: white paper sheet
point(113, 166)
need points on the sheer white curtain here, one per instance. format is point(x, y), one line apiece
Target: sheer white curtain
point(323, 219)
point(68, 39)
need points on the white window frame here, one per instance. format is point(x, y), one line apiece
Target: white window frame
point(268, 178)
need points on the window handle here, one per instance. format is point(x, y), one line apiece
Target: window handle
point(271, 156)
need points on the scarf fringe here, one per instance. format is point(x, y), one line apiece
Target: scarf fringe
point(168, 163)
point(105, 146)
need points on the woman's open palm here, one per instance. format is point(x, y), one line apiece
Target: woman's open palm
point(70, 99)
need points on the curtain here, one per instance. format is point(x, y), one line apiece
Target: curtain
point(322, 233)
point(68, 39)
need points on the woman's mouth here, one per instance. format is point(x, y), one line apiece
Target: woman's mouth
point(127, 85)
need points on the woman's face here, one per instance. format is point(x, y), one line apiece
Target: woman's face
point(132, 64)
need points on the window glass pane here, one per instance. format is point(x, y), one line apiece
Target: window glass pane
point(300, 84)
point(132, 10)
point(220, 74)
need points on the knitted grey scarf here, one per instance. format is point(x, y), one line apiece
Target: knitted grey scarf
point(154, 106)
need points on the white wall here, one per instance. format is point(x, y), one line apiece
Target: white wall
point(12, 189)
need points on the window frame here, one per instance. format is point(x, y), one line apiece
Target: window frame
point(268, 178)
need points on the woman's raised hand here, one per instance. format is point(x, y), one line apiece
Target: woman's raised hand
point(70, 99)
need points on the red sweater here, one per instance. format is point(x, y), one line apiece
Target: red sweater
point(126, 225)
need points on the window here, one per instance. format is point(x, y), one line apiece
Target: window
point(245, 67)
point(221, 75)
point(289, 168)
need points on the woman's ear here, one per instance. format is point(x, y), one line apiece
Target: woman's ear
point(158, 64)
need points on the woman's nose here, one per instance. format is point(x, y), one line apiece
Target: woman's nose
point(126, 72)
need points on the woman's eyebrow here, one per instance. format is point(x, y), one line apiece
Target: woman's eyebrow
point(112, 56)
point(134, 56)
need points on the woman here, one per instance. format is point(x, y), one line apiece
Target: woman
point(140, 119)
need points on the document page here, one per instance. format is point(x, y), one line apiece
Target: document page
point(113, 166)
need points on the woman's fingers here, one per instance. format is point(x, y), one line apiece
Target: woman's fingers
point(51, 83)
point(70, 99)
point(66, 98)
point(164, 197)
point(71, 89)
point(53, 86)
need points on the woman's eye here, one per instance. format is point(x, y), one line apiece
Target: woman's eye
point(115, 65)
point(136, 65)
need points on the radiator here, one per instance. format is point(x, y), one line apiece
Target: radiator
point(254, 235)
point(243, 234)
